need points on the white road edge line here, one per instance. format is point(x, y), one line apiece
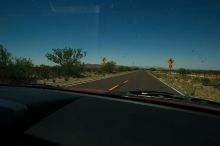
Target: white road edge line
point(166, 84)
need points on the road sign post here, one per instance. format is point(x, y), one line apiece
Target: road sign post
point(104, 60)
point(170, 63)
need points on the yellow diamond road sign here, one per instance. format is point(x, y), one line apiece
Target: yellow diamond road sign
point(104, 60)
point(170, 63)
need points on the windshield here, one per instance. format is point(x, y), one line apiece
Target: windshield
point(113, 46)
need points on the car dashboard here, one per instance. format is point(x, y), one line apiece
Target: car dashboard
point(34, 116)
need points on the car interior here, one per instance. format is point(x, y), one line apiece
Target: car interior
point(40, 116)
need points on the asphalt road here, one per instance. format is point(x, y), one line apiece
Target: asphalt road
point(135, 81)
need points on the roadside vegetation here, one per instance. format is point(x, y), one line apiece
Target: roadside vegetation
point(198, 83)
point(67, 67)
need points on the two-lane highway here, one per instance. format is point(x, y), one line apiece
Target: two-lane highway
point(135, 81)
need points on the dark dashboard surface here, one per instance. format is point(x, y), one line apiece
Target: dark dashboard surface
point(82, 119)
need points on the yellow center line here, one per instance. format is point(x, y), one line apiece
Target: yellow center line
point(117, 85)
point(113, 88)
point(125, 82)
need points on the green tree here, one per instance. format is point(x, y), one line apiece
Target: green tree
point(43, 71)
point(183, 71)
point(69, 59)
point(109, 67)
point(66, 56)
point(152, 69)
point(5, 61)
point(5, 57)
point(124, 68)
point(22, 70)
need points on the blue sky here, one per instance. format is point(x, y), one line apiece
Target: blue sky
point(130, 32)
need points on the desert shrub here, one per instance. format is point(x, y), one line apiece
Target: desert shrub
point(206, 82)
point(109, 67)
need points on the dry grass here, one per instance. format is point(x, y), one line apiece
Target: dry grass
point(207, 87)
point(62, 81)
point(71, 81)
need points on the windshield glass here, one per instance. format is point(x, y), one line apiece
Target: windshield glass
point(113, 46)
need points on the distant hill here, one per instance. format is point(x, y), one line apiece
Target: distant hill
point(93, 66)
